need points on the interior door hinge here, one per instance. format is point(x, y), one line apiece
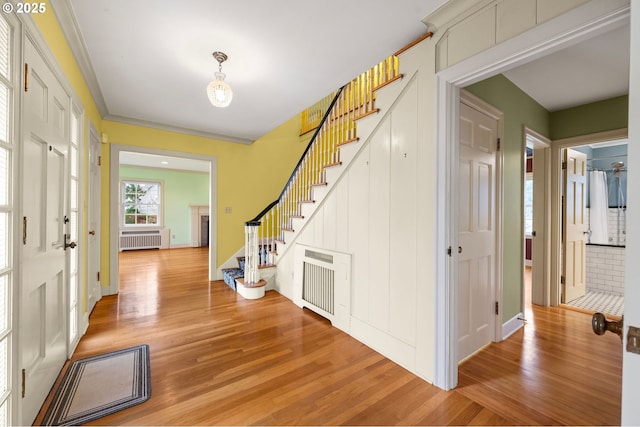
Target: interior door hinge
point(99, 160)
point(564, 165)
point(98, 276)
point(24, 387)
point(498, 145)
point(24, 230)
point(26, 77)
point(562, 280)
point(449, 251)
point(497, 308)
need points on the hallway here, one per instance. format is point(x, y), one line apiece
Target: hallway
point(218, 359)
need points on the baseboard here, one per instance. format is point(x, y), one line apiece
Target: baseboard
point(178, 246)
point(512, 325)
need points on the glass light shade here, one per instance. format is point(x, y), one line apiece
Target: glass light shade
point(219, 92)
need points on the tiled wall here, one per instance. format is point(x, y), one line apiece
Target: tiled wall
point(617, 226)
point(605, 269)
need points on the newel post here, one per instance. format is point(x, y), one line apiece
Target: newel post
point(251, 255)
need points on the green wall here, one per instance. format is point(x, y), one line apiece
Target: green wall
point(519, 110)
point(180, 189)
point(601, 116)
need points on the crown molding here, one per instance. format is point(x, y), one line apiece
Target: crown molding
point(71, 31)
point(177, 129)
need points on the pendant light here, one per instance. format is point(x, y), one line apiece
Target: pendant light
point(218, 91)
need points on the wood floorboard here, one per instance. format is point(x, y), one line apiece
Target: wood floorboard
point(218, 359)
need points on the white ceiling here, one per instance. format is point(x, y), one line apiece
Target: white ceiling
point(593, 70)
point(128, 158)
point(150, 60)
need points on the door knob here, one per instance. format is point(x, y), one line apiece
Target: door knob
point(601, 325)
point(533, 233)
point(71, 245)
point(92, 232)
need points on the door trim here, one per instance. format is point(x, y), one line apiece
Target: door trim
point(554, 288)
point(573, 26)
point(94, 186)
point(114, 212)
point(541, 258)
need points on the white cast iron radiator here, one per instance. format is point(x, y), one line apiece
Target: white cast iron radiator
point(144, 239)
point(322, 283)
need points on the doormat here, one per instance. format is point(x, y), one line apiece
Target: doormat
point(101, 385)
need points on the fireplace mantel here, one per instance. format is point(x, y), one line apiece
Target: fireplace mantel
point(197, 211)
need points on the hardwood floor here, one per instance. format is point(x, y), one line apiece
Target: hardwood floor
point(218, 359)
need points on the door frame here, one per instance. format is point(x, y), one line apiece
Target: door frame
point(114, 208)
point(574, 26)
point(93, 215)
point(541, 251)
point(554, 287)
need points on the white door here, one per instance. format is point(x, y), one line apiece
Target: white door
point(93, 241)
point(44, 295)
point(631, 361)
point(477, 235)
point(575, 225)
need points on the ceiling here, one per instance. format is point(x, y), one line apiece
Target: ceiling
point(593, 70)
point(128, 158)
point(148, 62)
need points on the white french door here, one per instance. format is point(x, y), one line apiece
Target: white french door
point(7, 158)
point(47, 226)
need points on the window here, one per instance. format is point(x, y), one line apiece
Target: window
point(528, 205)
point(141, 203)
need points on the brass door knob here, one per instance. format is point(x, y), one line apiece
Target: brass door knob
point(92, 232)
point(601, 325)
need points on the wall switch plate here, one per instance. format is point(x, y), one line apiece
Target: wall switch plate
point(633, 340)
point(227, 209)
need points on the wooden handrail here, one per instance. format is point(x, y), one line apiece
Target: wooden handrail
point(337, 127)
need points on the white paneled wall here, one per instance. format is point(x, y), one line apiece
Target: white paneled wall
point(371, 213)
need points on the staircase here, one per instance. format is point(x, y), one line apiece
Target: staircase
point(334, 143)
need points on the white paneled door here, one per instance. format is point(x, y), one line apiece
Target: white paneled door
point(44, 299)
point(575, 225)
point(477, 230)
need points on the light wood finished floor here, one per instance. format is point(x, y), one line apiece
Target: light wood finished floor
point(217, 359)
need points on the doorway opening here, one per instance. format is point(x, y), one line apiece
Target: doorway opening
point(604, 228)
point(150, 189)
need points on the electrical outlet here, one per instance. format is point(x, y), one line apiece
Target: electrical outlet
point(227, 209)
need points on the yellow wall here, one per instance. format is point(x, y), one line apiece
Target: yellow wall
point(249, 176)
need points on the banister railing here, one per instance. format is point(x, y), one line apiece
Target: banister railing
point(336, 127)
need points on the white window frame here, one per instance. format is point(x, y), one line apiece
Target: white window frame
point(160, 185)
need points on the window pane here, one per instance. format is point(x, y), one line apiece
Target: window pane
point(4, 415)
point(4, 176)
point(74, 162)
point(4, 377)
point(74, 226)
point(141, 203)
point(74, 193)
point(528, 206)
point(4, 240)
point(4, 113)
point(5, 48)
point(4, 303)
